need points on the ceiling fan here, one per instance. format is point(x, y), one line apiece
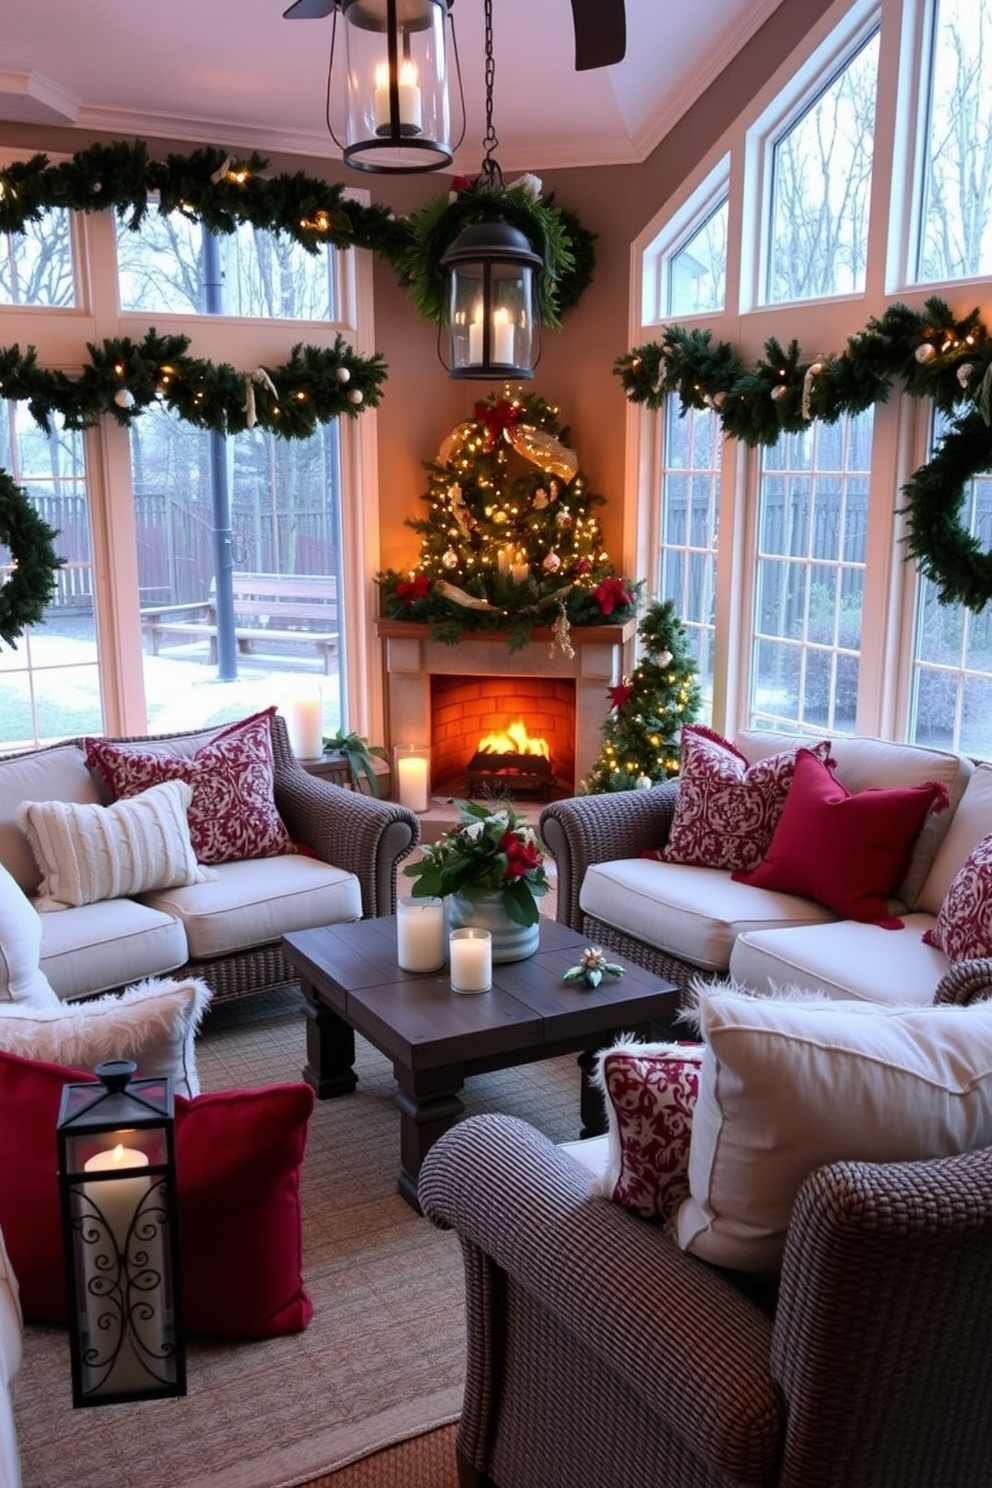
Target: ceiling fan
point(600, 28)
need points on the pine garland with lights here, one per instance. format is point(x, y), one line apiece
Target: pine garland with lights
point(511, 541)
point(932, 354)
point(641, 734)
point(125, 376)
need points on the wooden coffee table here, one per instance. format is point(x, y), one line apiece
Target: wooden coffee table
point(436, 1038)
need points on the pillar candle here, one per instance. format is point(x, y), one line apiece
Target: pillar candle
point(411, 116)
point(475, 342)
point(420, 934)
point(471, 960)
point(502, 337)
point(306, 726)
point(412, 772)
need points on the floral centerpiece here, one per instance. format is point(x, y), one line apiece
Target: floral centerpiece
point(491, 852)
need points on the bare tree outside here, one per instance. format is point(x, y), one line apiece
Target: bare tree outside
point(36, 265)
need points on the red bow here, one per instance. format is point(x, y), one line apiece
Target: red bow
point(497, 418)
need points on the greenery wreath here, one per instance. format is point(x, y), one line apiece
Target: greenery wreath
point(29, 588)
point(933, 354)
point(556, 236)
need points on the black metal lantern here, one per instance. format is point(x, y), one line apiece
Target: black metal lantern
point(394, 78)
point(117, 1187)
point(491, 318)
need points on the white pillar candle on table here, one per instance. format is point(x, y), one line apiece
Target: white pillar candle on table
point(306, 726)
point(412, 772)
point(471, 960)
point(118, 1202)
point(420, 934)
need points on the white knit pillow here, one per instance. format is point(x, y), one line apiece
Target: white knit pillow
point(154, 1023)
point(87, 853)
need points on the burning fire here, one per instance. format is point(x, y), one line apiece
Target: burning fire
point(515, 740)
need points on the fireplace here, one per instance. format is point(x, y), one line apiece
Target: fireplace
point(564, 698)
point(466, 711)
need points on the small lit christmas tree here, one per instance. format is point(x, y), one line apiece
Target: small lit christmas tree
point(511, 539)
point(640, 736)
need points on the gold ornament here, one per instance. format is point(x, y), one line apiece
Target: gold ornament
point(450, 559)
point(560, 635)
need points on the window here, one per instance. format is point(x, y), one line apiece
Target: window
point(812, 524)
point(36, 265)
point(822, 625)
point(697, 271)
point(956, 236)
point(821, 178)
point(690, 486)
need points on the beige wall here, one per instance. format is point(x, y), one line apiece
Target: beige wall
point(421, 405)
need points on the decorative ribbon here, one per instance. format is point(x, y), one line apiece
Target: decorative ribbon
point(263, 379)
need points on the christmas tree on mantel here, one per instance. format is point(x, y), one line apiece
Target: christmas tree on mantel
point(511, 540)
point(641, 733)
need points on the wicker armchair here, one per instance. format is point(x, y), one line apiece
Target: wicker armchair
point(600, 1354)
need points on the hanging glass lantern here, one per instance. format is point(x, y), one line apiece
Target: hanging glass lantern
point(492, 325)
point(117, 1187)
point(393, 73)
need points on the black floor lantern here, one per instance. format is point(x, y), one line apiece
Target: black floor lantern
point(117, 1187)
point(491, 320)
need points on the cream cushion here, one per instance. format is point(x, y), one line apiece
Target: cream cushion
point(21, 978)
point(154, 1023)
point(11, 1327)
point(87, 853)
point(789, 1085)
point(110, 944)
point(56, 774)
point(693, 913)
point(844, 959)
point(254, 902)
point(972, 821)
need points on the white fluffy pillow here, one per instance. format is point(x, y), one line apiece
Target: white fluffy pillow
point(788, 1085)
point(21, 979)
point(87, 853)
point(154, 1023)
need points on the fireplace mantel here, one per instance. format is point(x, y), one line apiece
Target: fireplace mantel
point(603, 655)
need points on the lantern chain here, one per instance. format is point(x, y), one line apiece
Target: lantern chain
point(490, 166)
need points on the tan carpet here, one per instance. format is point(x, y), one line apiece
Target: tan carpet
point(383, 1358)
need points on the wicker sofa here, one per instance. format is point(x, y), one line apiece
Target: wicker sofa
point(685, 921)
point(226, 931)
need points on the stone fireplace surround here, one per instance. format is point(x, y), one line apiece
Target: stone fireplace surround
point(603, 655)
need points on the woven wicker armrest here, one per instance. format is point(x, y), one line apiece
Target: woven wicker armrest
point(656, 1317)
point(966, 981)
point(598, 829)
point(355, 832)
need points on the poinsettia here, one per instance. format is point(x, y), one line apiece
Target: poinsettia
point(415, 588)
point(488, 852)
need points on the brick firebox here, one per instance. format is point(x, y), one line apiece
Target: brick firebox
point(601, 656)
point(465, 709)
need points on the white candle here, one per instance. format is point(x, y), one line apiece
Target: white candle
point(475, 342)
point(420, 934)
point(520, 570)
point(117, 1202)
point(412, 772)
point(306, 726)
point(411, 120)
point(503, 337)
point(504, 560)
point(471, 960)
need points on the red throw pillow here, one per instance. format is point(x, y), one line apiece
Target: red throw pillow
point(238, 1157)
point(650, 1092)
point(233, 814)
point(845, 851)
point(726, 810)
point(964, 926)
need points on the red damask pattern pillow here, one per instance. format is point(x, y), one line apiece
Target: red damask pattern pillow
point(233, 814)
point(650, 1092)
point(964, 926)
point(726, 810)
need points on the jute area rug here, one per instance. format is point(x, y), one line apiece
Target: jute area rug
point(381, 1362)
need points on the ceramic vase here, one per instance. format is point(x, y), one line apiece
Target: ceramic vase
point(511, 942)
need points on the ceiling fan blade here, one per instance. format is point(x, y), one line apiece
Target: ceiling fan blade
point(309, 10)
point(600, 33)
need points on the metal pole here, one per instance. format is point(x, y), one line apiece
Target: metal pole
point(222, 532)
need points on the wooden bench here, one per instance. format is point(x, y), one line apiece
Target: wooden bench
point(285, 608)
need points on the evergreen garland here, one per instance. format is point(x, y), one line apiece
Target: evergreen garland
point(125, 376)
point(931, 353)
point(29, 588)
point(641, 734)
